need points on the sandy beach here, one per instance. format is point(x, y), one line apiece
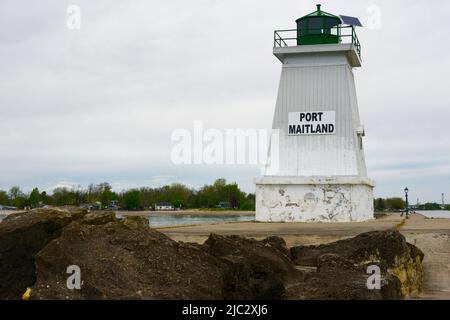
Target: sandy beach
point(293, 233)
point(432, 236)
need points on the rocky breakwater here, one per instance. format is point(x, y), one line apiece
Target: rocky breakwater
point(343, 267)
point(126, 259)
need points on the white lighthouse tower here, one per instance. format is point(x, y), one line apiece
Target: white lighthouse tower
point(320, 172)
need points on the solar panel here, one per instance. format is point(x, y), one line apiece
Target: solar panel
point(353, 21)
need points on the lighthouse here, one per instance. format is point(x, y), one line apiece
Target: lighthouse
point(320, 173)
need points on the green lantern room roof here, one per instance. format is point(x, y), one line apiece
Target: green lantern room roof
point(318, 13)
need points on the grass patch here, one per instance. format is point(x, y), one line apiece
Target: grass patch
point(400, 224)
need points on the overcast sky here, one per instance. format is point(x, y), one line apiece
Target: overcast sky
point(99, 103)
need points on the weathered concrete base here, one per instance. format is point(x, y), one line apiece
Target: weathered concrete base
point(314, 199)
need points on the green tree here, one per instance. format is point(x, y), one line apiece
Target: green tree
point(249, 203)
point(4, 199)
point(15, 192)
point(430, 206)
point(62, 196)
point(147, 197)
point(131, 199)
point(45, 198)
point(210, 196)
point(21, 202)
point(35, 198)
point(395, 203)
point(78, 196)
point(380, 204)
point(17, 197)
point(178, 195)
point(231, 194)
point(106, 193)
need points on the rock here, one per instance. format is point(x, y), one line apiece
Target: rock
point(125, 259)
point(338, 278)
point(22, 235)
point(386, 249)
point(98, 217)
point(277, 243)
point(255, 270)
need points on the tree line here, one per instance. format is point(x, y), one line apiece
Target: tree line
point(227, 195)
point(177, 194)
point(395, 204)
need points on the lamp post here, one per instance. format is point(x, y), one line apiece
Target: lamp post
point(406, 205)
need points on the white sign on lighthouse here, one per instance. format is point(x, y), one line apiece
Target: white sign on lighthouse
point(318, 122)
point(321, 172)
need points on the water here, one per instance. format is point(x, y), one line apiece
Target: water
point(435, 213)
point(165, 220)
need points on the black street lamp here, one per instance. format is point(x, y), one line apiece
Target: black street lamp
point(407, 204)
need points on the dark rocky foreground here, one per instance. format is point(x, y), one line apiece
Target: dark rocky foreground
point(126, 259)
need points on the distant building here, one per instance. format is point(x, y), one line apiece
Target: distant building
point(97, 205)
point(223, 205)
point(113, 205)
point(86, 206)
point(164, 206)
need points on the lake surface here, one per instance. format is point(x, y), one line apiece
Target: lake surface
point(165, 220)
point(435, 213)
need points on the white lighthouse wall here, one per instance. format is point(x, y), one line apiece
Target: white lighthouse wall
point(320, 82)
point(316, 178)
point(361, 161)
point(314, 202)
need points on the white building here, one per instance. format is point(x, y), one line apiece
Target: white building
point(320, 173)
point(164, 206)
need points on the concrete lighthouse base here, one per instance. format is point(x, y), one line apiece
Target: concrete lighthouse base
point(314, 199)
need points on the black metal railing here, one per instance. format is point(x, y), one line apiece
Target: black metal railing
point(297, 37)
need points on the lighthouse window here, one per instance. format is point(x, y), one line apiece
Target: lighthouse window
point(330, 25)
point(303, 27)
point(318, 25)
point(315, 26)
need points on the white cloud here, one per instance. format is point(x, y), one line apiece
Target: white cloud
point(99, 103)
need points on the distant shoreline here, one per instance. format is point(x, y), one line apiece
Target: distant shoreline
point(216, 213)
point(196, 212)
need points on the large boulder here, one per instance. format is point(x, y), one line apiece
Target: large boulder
point(22, 236)
point(400, 263)
point(125, 259)
point(253, 269)
point(338, 278)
